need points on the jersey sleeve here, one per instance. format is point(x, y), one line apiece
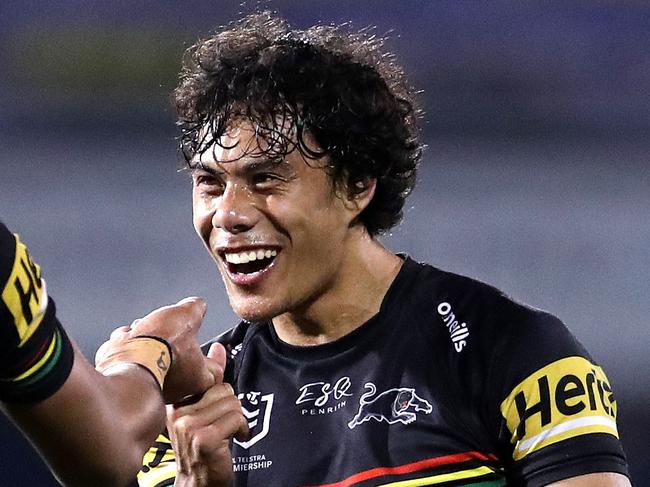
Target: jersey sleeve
point(554, 406)
point(24, 299)
point(36, 356)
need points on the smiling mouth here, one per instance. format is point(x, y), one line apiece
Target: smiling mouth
point(249, 261)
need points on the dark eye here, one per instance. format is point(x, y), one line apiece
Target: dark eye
point(208, 182)
point(264, 179)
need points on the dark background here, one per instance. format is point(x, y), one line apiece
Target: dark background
point(536, 177)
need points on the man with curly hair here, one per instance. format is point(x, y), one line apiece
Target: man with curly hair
point(355, 366)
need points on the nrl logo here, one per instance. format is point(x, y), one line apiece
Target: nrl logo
point(398, 405)
point(257, 409)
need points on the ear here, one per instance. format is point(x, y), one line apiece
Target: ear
point(360, 195)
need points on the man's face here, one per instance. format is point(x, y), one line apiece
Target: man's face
point(276, 229)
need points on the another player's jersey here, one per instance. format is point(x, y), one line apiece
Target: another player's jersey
point(451, 383)
point(35, 354)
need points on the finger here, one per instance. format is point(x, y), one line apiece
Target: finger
point(243, 432)
point(206, 402)
point(229, 425)
point(205, 417)
point(100, 352)
point(193, 299)
point(200, 414)
point(217, 353)
point(197, 305)
point(120, 331)
point(193, 307)
point(177, 321)
point(215, 371)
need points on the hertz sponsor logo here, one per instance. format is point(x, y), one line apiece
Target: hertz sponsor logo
point(25, 293)
point(568, 398)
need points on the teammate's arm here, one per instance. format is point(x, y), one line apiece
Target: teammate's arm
point(95, 429)
point(92, 427)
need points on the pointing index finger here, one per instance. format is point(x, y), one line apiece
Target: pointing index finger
point(195, 303)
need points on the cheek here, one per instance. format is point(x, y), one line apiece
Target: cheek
point(321, 238)
point(201, 217)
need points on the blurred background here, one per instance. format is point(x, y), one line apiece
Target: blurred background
point(536, 178)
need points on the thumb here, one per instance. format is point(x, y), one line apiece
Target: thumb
point(217, 352)
point(101, 351)
point(195, 308)
point(217, 361)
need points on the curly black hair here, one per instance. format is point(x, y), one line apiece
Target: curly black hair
point(336, 86)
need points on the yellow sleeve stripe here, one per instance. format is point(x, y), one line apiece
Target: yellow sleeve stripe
point(37, 366)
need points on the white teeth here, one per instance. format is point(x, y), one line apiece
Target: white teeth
point(249, 256)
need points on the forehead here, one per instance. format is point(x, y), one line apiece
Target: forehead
point(239, 141)
point(244, 142)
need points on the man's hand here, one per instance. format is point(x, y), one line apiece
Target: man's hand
point(200, 432)
point(191, 373)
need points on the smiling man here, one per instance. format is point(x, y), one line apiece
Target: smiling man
point(355, 366)
point(287, 240)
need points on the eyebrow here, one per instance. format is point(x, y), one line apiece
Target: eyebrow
point(199, 166)
point(258, 164)
point(262, 164)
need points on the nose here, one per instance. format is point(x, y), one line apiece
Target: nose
point(235, 212)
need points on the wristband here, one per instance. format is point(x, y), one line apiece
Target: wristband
point(152, 353)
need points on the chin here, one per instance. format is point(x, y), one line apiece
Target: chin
point(254, 311)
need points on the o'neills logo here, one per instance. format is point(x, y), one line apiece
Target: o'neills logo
point(567, 398)
point(458, 332)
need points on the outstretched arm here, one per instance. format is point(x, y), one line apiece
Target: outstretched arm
point(95, 429)
point(91, 427)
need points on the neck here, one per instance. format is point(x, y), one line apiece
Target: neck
point(354, 296)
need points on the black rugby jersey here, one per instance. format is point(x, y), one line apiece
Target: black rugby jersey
point(451, 383)
point(35, 354)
